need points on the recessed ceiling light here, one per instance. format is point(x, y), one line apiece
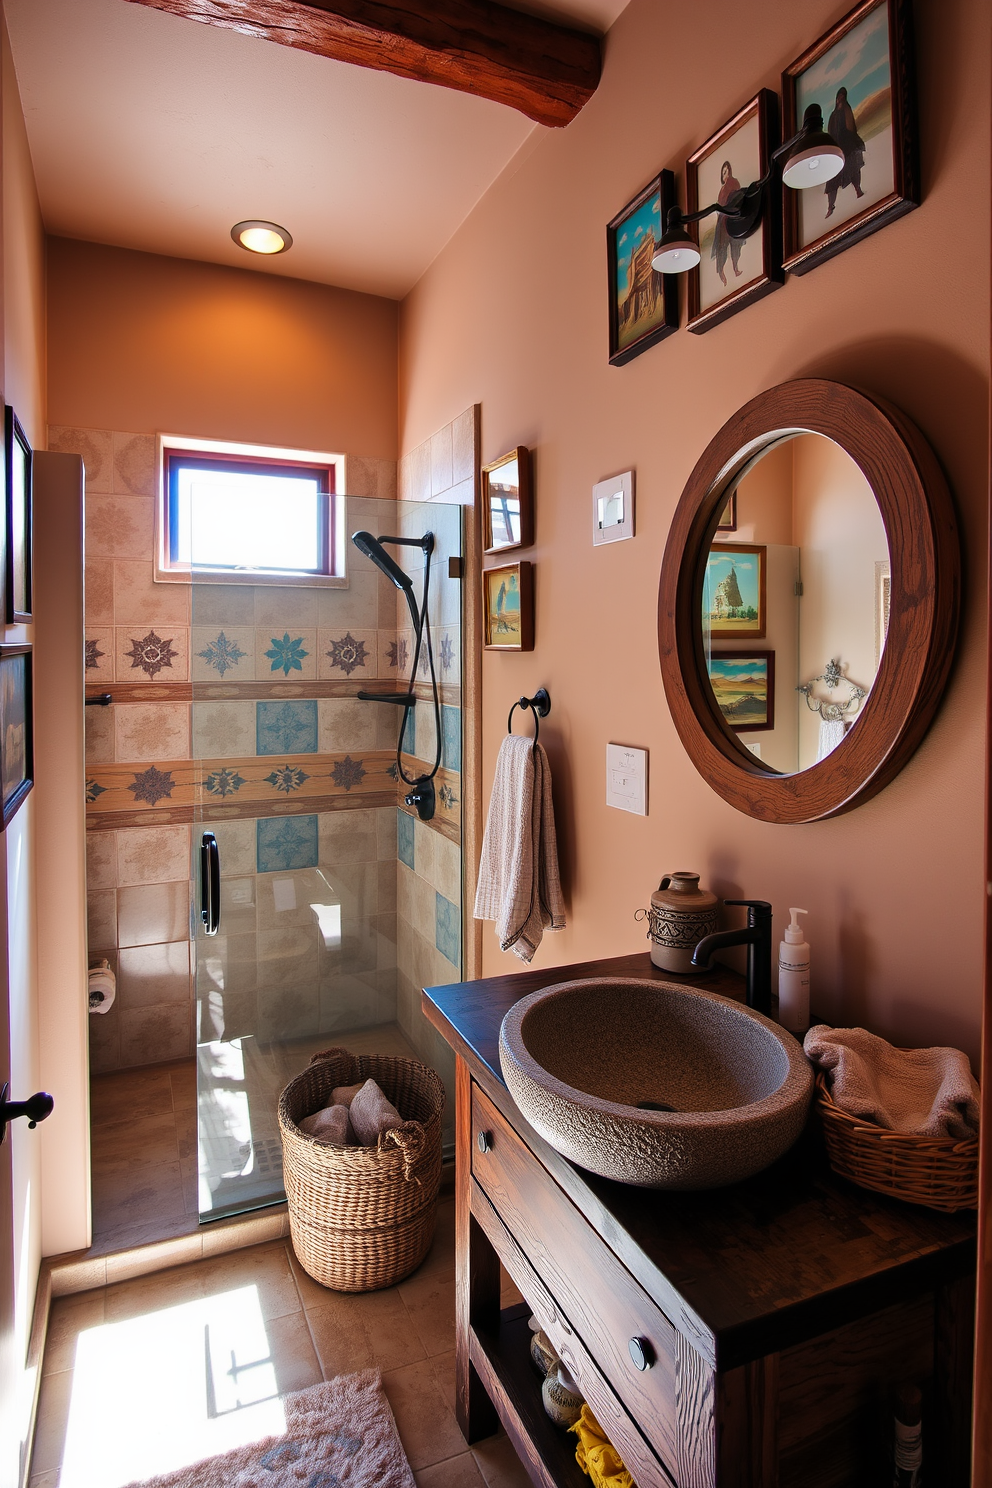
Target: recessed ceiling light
point(261, 237)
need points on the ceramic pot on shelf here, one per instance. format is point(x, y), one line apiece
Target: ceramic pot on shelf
point(562, 1401)
point(681, 914)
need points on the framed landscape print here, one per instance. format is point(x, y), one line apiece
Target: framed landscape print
point(644, 305)
point(743, 684)
point(508, 607)
point(507, 502)
point(734, 272)
point(734, 591)
point(16, 729)
point(861, 74)
point(17, 567)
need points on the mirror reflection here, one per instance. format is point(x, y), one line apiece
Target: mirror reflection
point(503, 491)
point(795, 600)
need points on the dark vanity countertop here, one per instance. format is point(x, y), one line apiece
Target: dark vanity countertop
point(744, 1270)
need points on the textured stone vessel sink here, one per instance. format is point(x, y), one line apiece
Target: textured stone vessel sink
point(655, 1084)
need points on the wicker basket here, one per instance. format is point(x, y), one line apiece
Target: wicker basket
point(939, 1172)
point(363, 1217)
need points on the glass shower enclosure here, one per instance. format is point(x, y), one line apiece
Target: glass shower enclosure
point(321, 902)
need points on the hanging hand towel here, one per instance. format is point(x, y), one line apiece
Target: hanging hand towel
point(831, 734)
point(519, 886)
point(922, 1092)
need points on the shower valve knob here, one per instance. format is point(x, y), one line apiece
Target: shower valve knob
point(36, 1108)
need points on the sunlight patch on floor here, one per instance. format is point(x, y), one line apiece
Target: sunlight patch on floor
point(163, 1390)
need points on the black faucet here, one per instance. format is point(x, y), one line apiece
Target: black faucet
point(757, 936)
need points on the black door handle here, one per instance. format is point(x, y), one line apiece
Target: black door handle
point(36, 1108)
point(209, 883)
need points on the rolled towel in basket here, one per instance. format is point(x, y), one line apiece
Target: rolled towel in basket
point(343, 1095)
point(371, 1113)
point(332, 1126)
point(920, 1092)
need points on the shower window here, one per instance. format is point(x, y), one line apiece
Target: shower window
point(231, 516)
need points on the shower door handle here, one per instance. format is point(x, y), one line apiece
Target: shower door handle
point(210, 883)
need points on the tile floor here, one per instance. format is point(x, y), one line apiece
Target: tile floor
point(311, 1334)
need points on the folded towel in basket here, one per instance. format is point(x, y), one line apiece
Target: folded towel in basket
point(921, 1092)
point(343, 1095)
point(332, 1126)
point(371, 1113)
point(519, 886)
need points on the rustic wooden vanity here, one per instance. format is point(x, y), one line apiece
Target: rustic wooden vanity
point(747, 1336)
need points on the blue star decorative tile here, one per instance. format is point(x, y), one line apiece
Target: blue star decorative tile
point(286, 842)
point(404, 838)
point(287, 655)
point(286, 728)
point(222, 654)
point(448, 929)
point(451, 727)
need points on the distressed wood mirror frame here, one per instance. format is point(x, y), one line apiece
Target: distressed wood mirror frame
point(918, 517)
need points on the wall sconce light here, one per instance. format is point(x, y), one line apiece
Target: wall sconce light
point(813, 158)
point(261, 237)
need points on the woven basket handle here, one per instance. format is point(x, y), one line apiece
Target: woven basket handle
point(409, 1138)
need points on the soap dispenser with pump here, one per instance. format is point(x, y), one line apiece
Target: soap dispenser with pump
point(793, 977)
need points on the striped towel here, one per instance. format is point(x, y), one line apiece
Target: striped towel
point(519, 886)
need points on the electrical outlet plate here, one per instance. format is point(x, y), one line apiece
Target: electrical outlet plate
point(627, 779)
point(613, 509)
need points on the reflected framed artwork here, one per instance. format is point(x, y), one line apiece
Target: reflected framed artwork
point(734, 272)
point(861, 75)
point(644, 305)
point(507, 502)
point(734, 591)
point(743, 684)
point(728, 517)
point(18, 505)
point(508, 607)
point(16, 729)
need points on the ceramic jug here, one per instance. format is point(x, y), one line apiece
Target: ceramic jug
point(681, 914)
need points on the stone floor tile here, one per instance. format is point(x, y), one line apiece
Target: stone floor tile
point(69, 1317)
point(457, 1472)
point(428, 1429)
point(499, 1464)
point(430, 1302)
point(53, 1416)
point(263, 1266)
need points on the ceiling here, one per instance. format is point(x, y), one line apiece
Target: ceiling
point(152, 132)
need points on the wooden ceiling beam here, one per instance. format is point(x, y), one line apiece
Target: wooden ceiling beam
point(545, 70)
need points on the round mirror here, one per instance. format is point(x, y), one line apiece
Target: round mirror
point(809, 601)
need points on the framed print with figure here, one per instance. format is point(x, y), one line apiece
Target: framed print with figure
point(861, 75)
point(734, 272)
point(16, 729)
point(644, 305)
point(508, 607)
point(734, 591)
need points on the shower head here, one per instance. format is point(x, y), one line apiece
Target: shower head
point(372, 548)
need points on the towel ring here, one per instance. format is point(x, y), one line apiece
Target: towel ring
point(540, 706)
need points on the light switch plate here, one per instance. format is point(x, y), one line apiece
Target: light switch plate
point(613, 509)
point(627, 778)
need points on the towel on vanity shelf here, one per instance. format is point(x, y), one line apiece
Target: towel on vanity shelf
point(597, 1456)
point(922, 1092)
point(332, 1126)
point(372, 1113)
point(519, 886)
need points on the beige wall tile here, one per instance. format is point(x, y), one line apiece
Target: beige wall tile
point(359, 476)
point(134, 464)
point(385, 827)
point(223, 730)
point(223, 604)
point(96, 448)
point(292, 645)
point(344, 724)
point(152, 914)
point(347, 837)
point(99, 656)
point(356, 607)
point(463, 453)
point(441, 461)
point(404, 476)
point(154, 654)
point(101, 860)
point(236, 841)
point(386, 898)
point(447, 868)
point(101, 920)
point(462, 494)
point(149, 855)
point(154, 1034)
point(105, 1041)
point(138, 600)
point(154, 974)
point(100, 731)
point(423, 850)
point(419, 477)
point(99, 591)
point(386, 474)
point(285, 606)
point(151, 731)
point(119, 526)
point(346, 653)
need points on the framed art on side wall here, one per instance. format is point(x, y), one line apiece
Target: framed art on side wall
point(19, 517)
point(508, 607)
point(507, 502)
point(861, 75)
point(644, 305)
point(16, 729)
point(743, 684)
point(734, 591)
point(734, 272)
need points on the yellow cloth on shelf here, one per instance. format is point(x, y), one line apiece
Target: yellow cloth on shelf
point(598, 1459)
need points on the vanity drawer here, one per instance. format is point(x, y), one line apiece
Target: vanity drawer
point(599, 1297)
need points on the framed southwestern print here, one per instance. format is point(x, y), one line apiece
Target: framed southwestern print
point(861, 74)
point(734, 591)
point(734, 272)
point(508, 607)
point(644, 305)
point(17, 567)
point(16, 729)
point(743, 684)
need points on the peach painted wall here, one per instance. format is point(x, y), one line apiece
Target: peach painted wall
point(513, 315)
point(166, 345)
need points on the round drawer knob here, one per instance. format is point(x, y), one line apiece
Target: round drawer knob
point(641, 1353)
point(485, 1141)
